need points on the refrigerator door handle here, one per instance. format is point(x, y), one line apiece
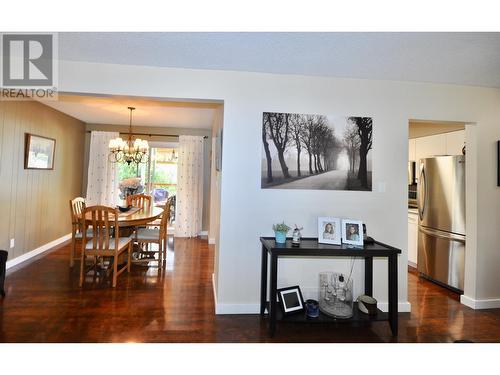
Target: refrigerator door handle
point(440, 234)
point(422, 194)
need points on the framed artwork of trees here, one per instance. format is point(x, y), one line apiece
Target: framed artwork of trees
point(316, 152)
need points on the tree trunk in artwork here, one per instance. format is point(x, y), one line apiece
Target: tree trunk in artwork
point(320, 167)
point(298, 162)
point(268, 155)
point(310, 162)
point(284, 167)
point(279, 129)
point(364, 125)
point(362, 172)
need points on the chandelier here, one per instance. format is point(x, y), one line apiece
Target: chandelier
point(128, 151)
point(173, 156)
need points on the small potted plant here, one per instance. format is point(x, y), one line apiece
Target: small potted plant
point(280, 231)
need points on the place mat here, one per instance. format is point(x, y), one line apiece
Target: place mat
point(133, 210)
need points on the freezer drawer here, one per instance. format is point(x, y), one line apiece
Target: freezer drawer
point(441, 257)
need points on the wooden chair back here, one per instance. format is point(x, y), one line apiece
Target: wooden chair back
point(76, 206)
point(103, 220)
point(164, 222)
point(138, 200)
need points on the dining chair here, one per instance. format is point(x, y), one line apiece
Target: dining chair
point(104, 221)
point(155, 236)
point(138, 200)
point(76, 207)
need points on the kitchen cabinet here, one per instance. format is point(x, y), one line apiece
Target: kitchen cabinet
point(455, 142)
point(430, 146)
point(436, 145)
point(412, 237)
point(412, 143)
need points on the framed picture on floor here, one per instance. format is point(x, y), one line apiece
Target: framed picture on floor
point(329, 230)
point(352, 232)
point(291, 300)
point(39, 152)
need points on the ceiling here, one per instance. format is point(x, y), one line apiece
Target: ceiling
point(455, 58)
point(149, 112)
point(425, 128)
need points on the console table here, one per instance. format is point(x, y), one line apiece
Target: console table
point(310, 248)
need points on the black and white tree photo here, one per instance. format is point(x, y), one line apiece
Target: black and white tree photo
point(316, 152)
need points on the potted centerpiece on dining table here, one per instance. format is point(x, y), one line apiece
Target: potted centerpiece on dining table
point(280, 231)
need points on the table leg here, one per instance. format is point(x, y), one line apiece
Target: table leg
point(369, 276)
point(272, 294)
point(263, 281)
point(393, 293)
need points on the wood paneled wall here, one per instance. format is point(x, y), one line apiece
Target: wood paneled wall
point(34, 203)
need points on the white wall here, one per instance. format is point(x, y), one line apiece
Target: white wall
point(215, 192)
point(248, 212)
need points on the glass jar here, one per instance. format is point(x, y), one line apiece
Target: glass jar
point(336, 295)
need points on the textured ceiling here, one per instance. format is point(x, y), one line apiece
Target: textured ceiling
point(113, 110)
point(456, 58)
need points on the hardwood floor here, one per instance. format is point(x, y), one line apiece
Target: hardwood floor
point(44, 304)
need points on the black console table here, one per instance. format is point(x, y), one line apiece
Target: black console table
point(310, 248)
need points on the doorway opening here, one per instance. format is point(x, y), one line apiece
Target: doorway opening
point(440, 164)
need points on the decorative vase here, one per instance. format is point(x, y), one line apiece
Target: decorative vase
point(280, 237)
point(336, 295)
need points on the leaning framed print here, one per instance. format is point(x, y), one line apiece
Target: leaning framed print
point(329, 230)
point(39, 152)
point(291, 300)
point(352, 232)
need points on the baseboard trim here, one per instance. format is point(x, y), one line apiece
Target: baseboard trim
point(215, 292)
point(478, 304)
point(37, 251)
point(204, 233)
point(227, 309)
point(211, 241)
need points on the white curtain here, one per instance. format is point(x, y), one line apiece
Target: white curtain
point(189, 200)
point(102, 180)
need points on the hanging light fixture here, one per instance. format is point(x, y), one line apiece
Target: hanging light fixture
point(173, 156)
point(128, 151)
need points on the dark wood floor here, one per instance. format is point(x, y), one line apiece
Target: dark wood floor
point(44, 304)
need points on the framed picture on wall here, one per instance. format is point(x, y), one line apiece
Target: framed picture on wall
point(329, 230)
point(352, 232)
point(39, 152)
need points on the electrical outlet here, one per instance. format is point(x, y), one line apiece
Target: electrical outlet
point(12, 243)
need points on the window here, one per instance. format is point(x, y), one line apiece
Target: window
point(159, 175)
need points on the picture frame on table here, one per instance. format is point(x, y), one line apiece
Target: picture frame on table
point(329, 230)
point(352, 232)
point(291, 300)
point(39, 152)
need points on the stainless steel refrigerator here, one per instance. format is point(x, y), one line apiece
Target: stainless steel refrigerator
point(441, 229)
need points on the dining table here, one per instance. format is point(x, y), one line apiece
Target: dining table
point(136, 216)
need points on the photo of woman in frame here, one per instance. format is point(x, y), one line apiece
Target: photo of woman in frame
point(352, 232)
point(329, 230)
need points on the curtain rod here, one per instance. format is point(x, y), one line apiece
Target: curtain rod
point(152, 134)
